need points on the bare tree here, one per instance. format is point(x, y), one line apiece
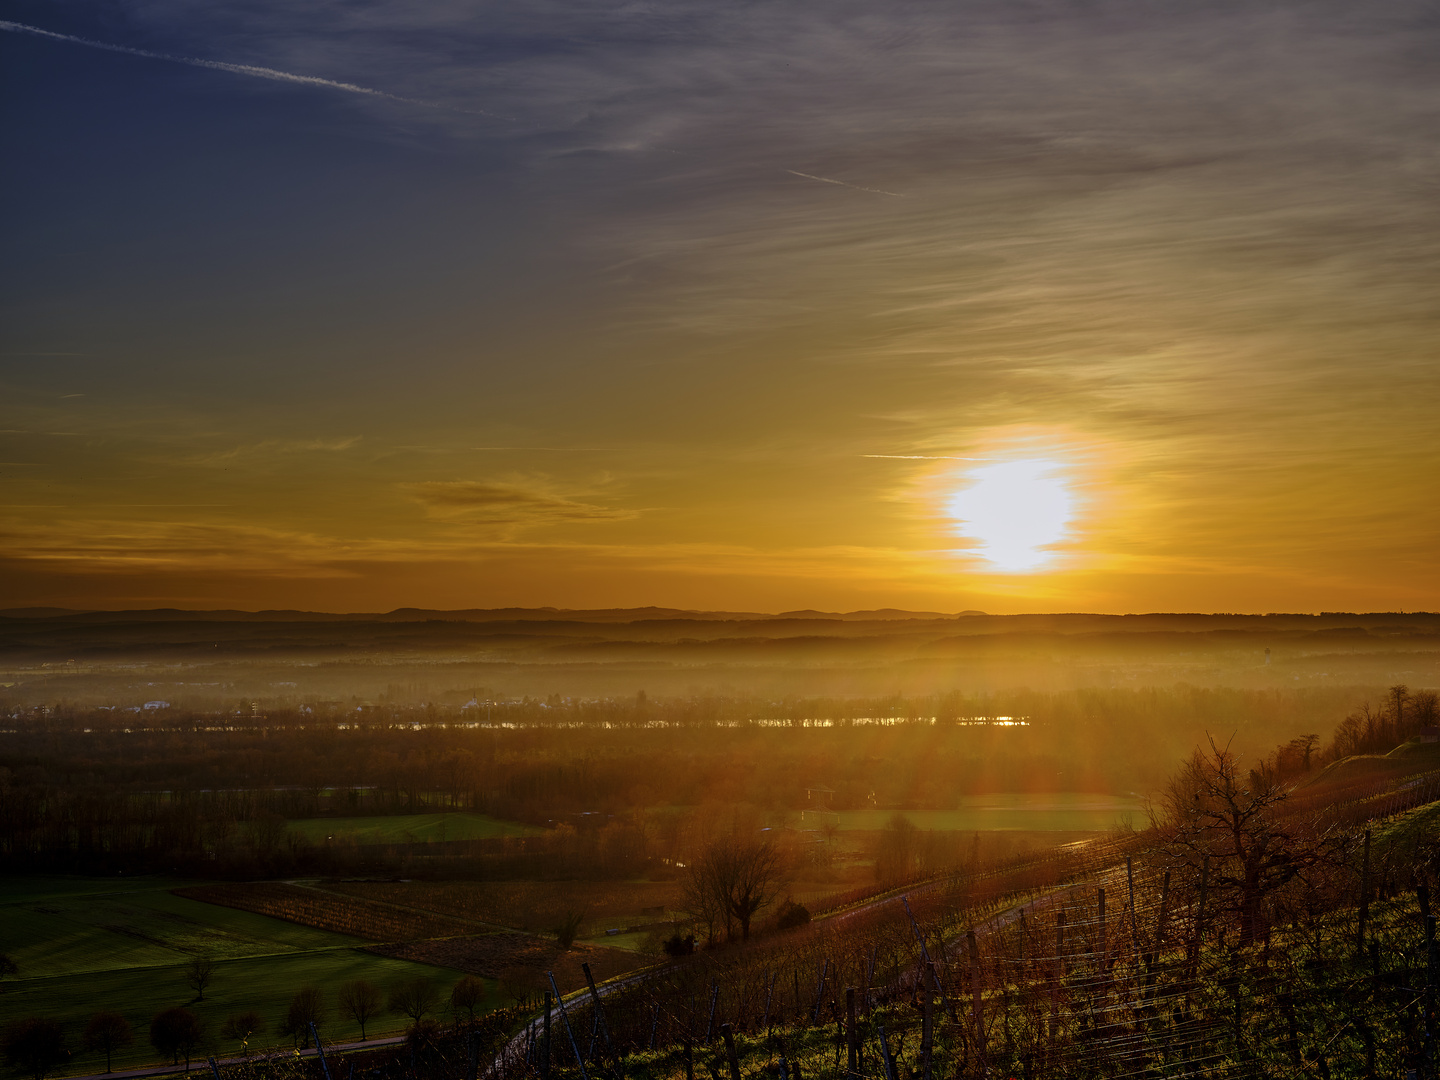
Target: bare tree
point(466, 995)
point(107, 1032)
point(197, 975)
point(176, 1031)
point(361, 999)
point(306, 1007)
point(1211, 811)
point(414, 998)
point(735, 878)
point(241, 1026)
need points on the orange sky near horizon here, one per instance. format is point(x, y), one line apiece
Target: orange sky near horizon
point(945, 307)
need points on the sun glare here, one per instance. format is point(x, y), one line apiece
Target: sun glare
point(1015, 511)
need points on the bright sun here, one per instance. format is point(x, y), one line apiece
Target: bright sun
point(1015, 510)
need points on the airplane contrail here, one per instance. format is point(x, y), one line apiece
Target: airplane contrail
point(842, 183)
point(924, 457)
point(237, 69)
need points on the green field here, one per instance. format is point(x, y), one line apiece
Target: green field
point(408, 828)
point(1059, 812)
point(84, 945)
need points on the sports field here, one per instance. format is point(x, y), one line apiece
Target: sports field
point(408, 828)
point(122, 945)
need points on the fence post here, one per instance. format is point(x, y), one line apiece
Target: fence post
point(599, 1009)
point(927, 1032)
point(1104, 936)
point(1364, 900)
point(851, 1045)
point(976, 996)
point(885, 1051)
point(1164, 912)
point(214, 1069)
point(565, 1019)
point(545, 1049)
point(729, 1038)
point(1199, 915)
point(320, 1051)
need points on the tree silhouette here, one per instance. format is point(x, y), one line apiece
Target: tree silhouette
point(35, 1046)
point(241, 1026)
point(414, 998)
point(1212, 812)
point(306, 1007)
point(197, 975)
point(108, 1032)
point(175, 1031)
point(361, 999)
point(467, 994)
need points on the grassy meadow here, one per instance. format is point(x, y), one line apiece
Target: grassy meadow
point(85, 945)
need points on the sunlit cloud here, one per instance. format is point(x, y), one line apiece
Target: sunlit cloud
point(505, 503)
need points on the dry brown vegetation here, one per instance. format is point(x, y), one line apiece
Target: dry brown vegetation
point(499, 956)
point(534, 906)
point(359, 918)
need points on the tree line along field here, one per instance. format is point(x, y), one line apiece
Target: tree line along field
point(408, 828)
point(84, 945)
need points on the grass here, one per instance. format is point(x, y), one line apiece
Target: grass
point(85, 945)
point(408, 828)
point(1059, 812)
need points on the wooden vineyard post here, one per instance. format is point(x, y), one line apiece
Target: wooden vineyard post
point(472, 1047)
point(545, 1047)
point(565, 1019)
point(820, 992)
point(599, 1010)
point(1057, 972)
point(1134, 923)
point(214, 1069)
point(714, 1000)
point(654, 1024)
point(1104, 935)
point(851, 1044)
point(1364, 900)
point(976, 995)
point(769, 994)
point(1164, 912)
point(320, 1051)
point(796, 972)
point(689, 1060)
point(730, 1055)
point(870, 981)
point(920, 940)
point(1199, 929)
point(927, 1031)
point(885, 1053)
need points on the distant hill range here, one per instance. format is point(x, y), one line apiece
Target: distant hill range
point(978, 621)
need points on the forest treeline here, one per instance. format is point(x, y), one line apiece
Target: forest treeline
point(87, 789)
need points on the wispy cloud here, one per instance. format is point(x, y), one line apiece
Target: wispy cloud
point(505, 504)
point(251, 70)
point(275, 448)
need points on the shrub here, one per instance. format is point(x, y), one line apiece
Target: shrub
point(793, 915)
point(35, 1045)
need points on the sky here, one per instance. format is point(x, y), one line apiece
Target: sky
point(1004, 306)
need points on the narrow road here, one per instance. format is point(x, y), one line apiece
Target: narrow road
point(202, 1066)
